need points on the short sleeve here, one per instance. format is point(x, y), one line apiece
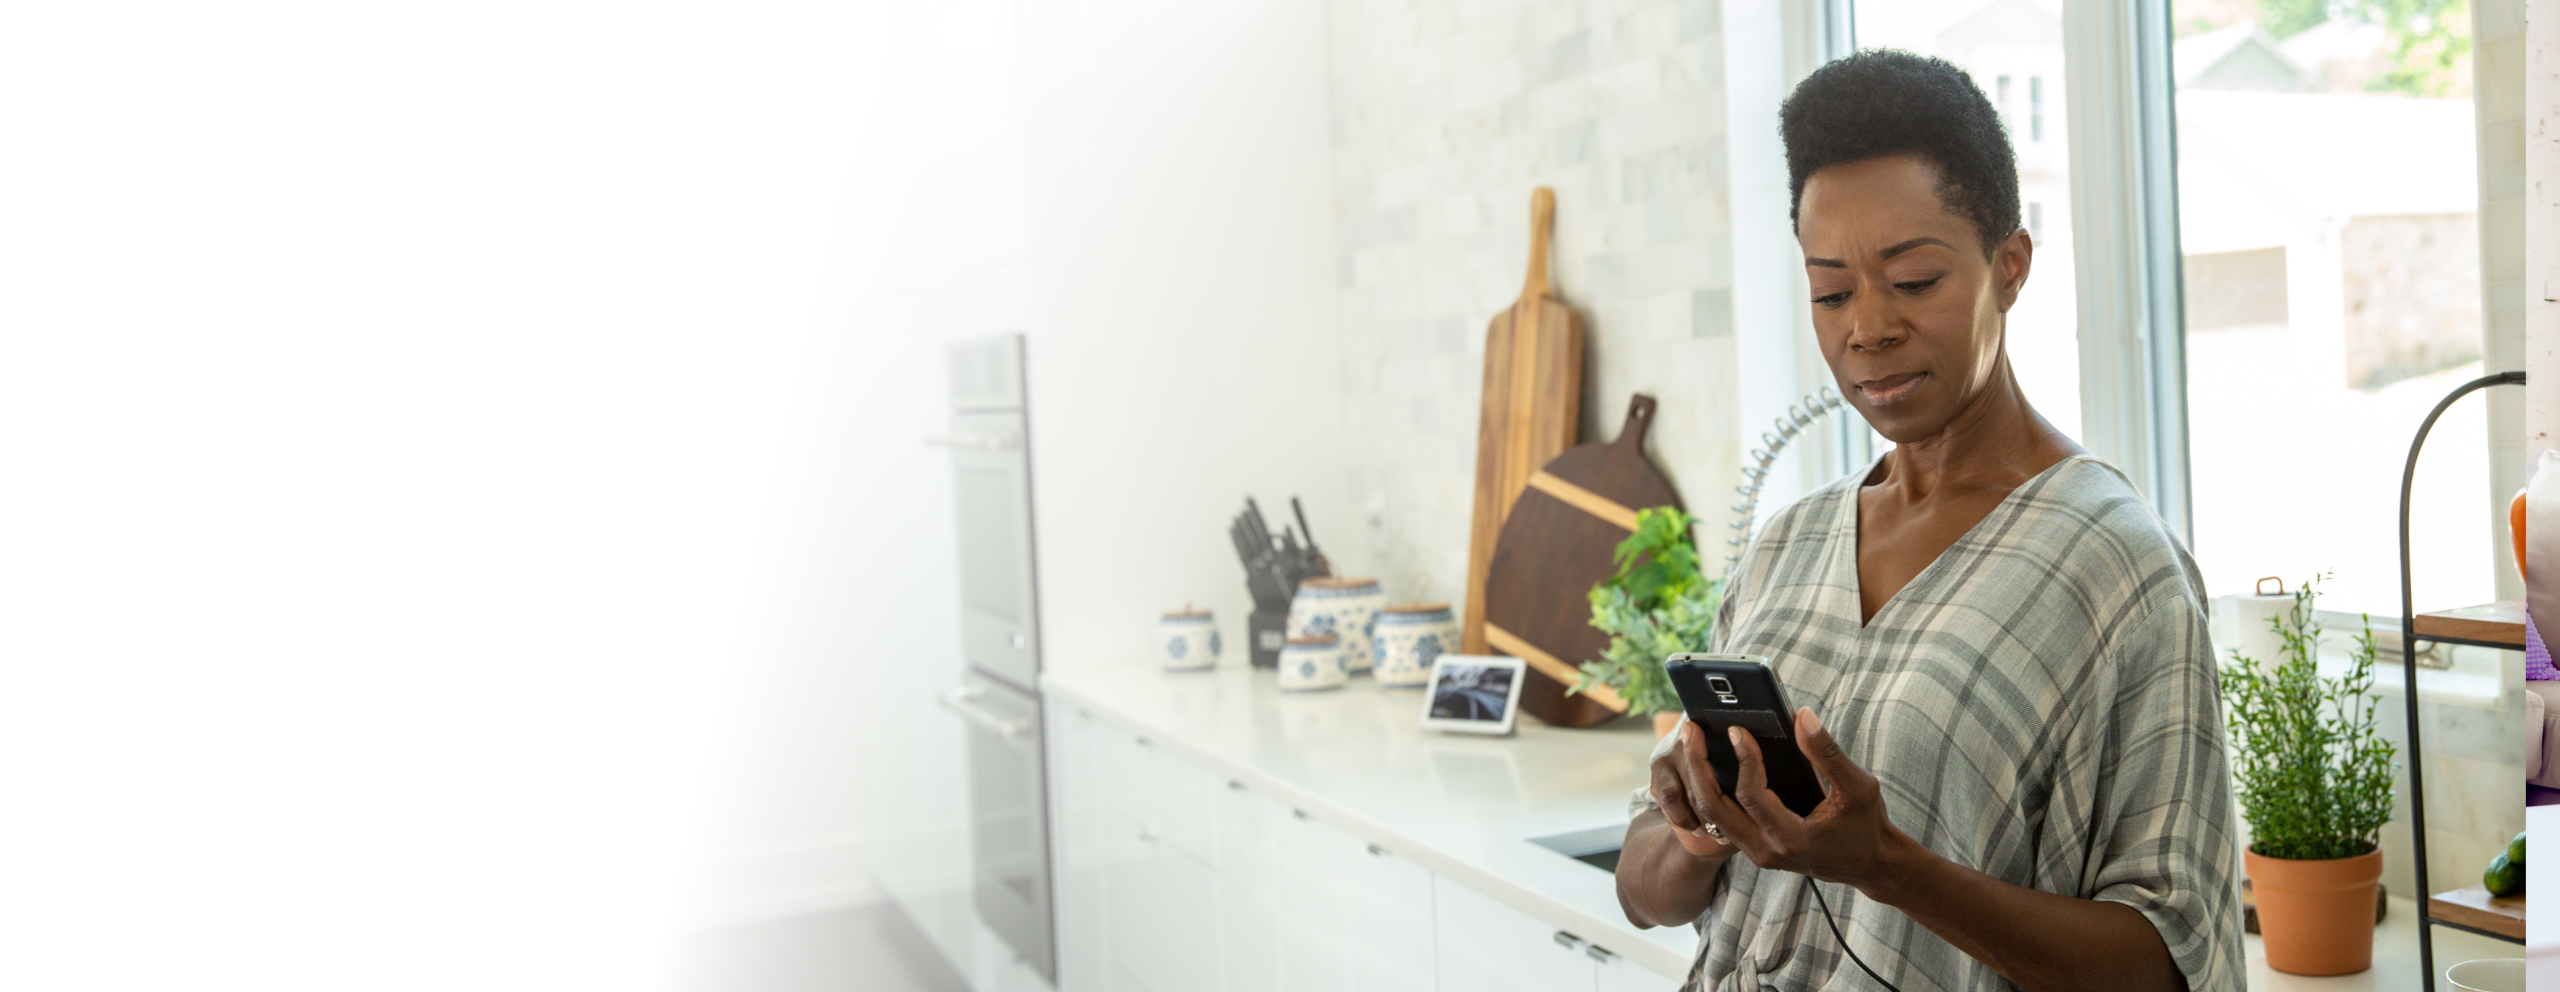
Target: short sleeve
point(2161, 826)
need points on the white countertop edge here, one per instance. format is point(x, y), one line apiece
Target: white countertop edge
point(1613, 932)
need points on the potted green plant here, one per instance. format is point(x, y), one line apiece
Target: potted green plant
point(2314, 777)
point(1657, 605)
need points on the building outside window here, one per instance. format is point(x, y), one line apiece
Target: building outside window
point(1994, 42)
point(2329, 223)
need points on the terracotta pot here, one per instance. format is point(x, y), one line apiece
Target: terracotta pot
point(2316, 916)
point(1663, 722)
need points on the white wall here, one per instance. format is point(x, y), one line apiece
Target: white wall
point(1445, 117)
point(411, 441)
point(1185, 336)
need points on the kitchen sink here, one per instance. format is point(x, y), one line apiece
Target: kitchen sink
point(1594, 846)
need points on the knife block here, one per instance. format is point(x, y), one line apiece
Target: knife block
point(1266, 632)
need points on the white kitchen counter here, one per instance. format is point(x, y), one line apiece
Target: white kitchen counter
point(1460, 805)
point(1464, 806)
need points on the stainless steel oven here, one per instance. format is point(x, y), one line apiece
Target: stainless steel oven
point(998, 695)
point(1008, 816)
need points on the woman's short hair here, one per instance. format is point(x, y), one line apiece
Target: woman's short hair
point(1883, 102)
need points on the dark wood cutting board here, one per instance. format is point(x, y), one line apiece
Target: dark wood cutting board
point(1559, 541)
point(1532, 406)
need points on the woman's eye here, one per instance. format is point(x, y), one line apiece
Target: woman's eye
point(1832, 300)
point(1916, 285)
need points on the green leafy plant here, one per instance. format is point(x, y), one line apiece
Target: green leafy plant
point(2314, 770)
point(1657, 605)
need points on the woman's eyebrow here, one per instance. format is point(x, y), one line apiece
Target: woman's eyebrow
point(1833, 263)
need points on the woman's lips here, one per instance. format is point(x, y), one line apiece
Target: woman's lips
point(1891, 389)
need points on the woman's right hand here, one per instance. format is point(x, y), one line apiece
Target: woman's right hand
point(1682, 779)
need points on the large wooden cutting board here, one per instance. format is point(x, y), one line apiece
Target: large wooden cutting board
point(1532, 405)
point(1561, 539)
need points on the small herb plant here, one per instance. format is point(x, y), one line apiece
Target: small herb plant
point(2314, 771)
point(1657, 605)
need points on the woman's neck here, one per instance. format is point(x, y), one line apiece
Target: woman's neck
point(1998, 441)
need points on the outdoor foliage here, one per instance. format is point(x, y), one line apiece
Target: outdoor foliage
point(2428, 51)
point(1656, 606)
point(2314, 773)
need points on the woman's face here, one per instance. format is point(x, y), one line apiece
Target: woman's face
point(1909, 314)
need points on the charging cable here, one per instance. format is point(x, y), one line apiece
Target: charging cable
point(1844, 941)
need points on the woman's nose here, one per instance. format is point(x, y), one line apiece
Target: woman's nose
point(1873, 325)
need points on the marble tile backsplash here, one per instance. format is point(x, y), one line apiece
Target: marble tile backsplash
point(1446, 113)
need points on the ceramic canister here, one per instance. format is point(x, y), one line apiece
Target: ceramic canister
point(1345, 608)
point(1409, 638)
point(1187, 641)
point(1312, 663)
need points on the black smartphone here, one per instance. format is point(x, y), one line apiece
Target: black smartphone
point(1738, 690)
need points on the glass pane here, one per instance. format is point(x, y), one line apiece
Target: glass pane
point(2328, 217)
point(2013, 50)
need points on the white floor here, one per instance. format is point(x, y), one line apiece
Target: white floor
point(866, 949)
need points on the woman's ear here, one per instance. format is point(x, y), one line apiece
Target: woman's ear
point(2010, 264)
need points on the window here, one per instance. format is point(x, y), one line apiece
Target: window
point(2258, 362)
point(2329, 226)
point(2035, 108)
point(1996, 41)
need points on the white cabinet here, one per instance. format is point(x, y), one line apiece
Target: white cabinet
point(1617, 974)
point(1078, 828)
point(1249, 868)
point(1486, 946)
point(1163, 917)
point(1171, 878)
point(1171, 798)
point(1353, 915)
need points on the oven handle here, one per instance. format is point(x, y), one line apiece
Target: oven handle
point(963, 699)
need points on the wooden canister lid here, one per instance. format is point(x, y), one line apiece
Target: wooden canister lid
point(1317, 641)
point(1187, 615)
point(1417, 608)
point(1331, 582)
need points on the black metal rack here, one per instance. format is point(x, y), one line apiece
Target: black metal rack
point(2410, 634)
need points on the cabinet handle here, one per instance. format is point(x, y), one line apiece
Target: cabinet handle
point(1600, 954)
point(1147, 834)
point(1234, 786)
point(1299, 813)
point(1377, 852)
point(1568, 941)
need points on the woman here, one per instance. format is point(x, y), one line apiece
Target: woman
point(2012, 694)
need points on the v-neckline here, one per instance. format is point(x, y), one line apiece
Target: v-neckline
point(1852, 507)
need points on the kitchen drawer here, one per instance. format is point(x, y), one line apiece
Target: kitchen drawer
point(1355, 906)
point(1620, 974)
point(1248, 869)
point(1171, 797)
point(1163, 908)
point(1486, 946)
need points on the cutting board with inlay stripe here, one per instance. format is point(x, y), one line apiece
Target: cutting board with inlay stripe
point(1532, 406)
point(1560, 540)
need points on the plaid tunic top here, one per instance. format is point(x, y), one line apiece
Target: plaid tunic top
point(2039, 704)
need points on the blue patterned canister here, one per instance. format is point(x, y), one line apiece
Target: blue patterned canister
point(1308, 663)
point(1409, 638)
point(1187, 641)
point(1344, 608)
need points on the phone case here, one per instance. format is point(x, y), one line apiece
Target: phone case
point(1754, 703)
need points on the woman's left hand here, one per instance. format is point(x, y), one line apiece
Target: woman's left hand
point(1847, 839)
